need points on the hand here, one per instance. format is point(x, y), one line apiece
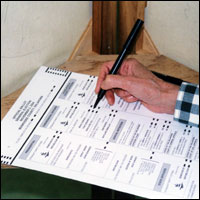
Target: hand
point(135, 82)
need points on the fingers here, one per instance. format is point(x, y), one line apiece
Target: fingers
point(116, 81)
point(110, 97)
point(102, 74)
point(143, 89)
point(122, 82)
point(130, 99)
point(121, 93)
point(130, 67)
point(126, 96)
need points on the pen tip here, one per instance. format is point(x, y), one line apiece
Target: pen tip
point(97, 101)
point(95, 105)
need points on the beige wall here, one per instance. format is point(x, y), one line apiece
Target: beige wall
point(174, 28)
point(35, 33)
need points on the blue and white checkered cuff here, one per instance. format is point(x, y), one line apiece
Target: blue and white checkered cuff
point(187, 104)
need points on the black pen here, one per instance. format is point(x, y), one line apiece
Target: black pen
point(132, 36)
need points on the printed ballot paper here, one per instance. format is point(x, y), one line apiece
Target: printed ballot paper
point(53, 128)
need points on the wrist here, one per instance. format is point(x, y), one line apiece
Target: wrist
point(169, 94)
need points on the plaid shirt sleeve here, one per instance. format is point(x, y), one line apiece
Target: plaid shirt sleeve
point(187, 104)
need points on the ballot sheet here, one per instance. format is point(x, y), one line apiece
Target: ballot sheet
point(53, 128)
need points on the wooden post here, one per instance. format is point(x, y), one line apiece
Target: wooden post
point(104, 27)
point(112, 22)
